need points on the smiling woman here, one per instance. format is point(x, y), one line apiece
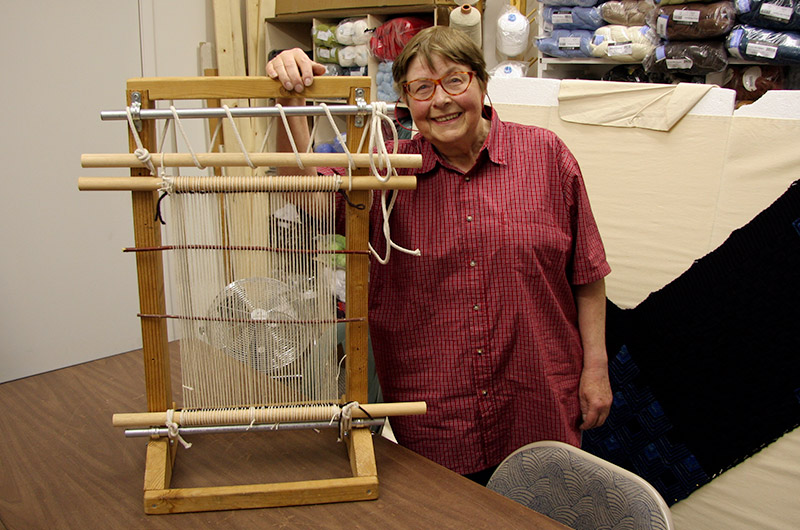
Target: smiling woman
point(500, 331)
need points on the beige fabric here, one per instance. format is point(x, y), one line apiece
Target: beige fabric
point(663, 200)
point(762, 492)
point(648, 106)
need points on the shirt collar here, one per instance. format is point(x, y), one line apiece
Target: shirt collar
point(495, 144)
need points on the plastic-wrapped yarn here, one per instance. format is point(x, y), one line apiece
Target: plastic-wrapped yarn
point(347, 28)
point(566, 43)
point(624, 44)
point(751, 82)
point(674, 2)
point(694, 21)
point(687, 57)
point(327, 55)
point(763, 45)
point(384, 82)
point(626, 12)
point(354, 55)
point(782, 15)
point(513, 32)
point(581, 3)
point(572, 17)
point(467, 19)
point(390, 38)
point(324, 35)
point(361, 32)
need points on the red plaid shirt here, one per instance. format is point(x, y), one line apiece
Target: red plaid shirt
point(483, 325)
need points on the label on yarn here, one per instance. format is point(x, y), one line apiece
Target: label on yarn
point(661, 25)
point(750, 77)
point(774, 11)
point(569, 43)
point(562, 17)
point(620, 48)
point(757, 49)
point(686, 16)
point(684, 63)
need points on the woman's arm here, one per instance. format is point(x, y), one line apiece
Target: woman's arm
point(595, 388)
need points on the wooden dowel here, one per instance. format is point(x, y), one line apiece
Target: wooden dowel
point(375, 410)
point(299, 183)
point(361, 160)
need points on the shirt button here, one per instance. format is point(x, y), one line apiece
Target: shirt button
point(475, 307)
point(466, 179)
point(480, 351)
point(469, 218)
point(484, 392)
point(472, 263)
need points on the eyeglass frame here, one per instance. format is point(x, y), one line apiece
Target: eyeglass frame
point(435, 82)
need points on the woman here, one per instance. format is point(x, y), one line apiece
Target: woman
point(499, 325)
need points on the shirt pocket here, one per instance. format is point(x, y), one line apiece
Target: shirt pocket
point(535, 241)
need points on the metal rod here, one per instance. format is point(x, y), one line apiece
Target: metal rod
point(244, 112)
point(221, 429)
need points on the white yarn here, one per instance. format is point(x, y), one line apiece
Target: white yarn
point(361, 52)
point(344, 32)
point(141, 152)
point(513, 30)
point(361, 33)
point(468, 20)
point(347, 56)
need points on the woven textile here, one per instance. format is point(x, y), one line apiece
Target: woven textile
point(707, 370)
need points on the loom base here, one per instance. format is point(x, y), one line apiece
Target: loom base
point(159, 498)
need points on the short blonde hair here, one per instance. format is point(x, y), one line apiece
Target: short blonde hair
point(446, 42)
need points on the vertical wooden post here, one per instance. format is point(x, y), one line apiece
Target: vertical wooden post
point(150, 272)
point(357, 333)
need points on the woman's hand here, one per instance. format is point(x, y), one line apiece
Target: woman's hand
point(294, 69)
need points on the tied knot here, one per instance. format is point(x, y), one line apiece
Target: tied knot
point(173, 430)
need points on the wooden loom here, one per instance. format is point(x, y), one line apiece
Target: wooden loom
point(159, 497)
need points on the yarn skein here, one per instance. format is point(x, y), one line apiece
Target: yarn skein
point(467, 19)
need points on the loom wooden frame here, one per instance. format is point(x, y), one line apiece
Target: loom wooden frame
point(159, 497)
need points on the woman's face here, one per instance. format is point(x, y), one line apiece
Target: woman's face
point(448, 122)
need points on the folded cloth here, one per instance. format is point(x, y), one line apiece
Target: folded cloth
point(687, 57)
point(648, 106)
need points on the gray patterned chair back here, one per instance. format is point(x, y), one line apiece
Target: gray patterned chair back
point(579, 490)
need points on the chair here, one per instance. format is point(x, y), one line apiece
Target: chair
point(579, 490)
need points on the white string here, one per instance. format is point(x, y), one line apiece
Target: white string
point(350, 162)
point(289, 134)
point(270, 121)
point(238, 137)
point(377, 142)
point(141, 153)
point(172, 430)
point(346, 419)
point(179, 126)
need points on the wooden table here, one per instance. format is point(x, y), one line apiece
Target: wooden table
point(62, 465)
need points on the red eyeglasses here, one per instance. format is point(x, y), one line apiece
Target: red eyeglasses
point(454, 83)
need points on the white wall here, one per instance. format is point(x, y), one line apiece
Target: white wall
point(67, 292)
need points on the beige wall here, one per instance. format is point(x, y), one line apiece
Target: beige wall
point(67, 293)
